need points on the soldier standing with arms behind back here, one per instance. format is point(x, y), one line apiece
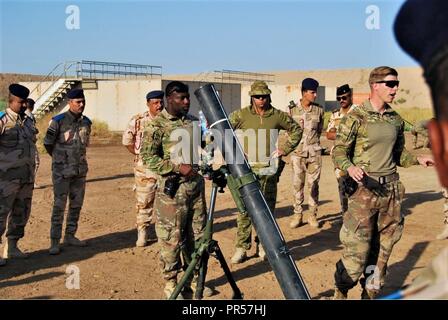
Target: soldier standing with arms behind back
point(17, 153)
point(180, 199)
point(29, 112)
point(369, 147)
point(261, 118)
point(145, 180)
point(66, 141)
point(307, 158)
point(344, 96)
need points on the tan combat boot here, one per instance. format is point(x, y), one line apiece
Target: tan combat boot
point(11, 250)
point(444, 234)
point(339, 294)
point(54, 248)
point(368, 294)
point(170, 286)
point(296, 221)
point(207, 292)
point(260, 252)
point(142, 237)
point(71, 240)
point(239, 256)
point(312, 221)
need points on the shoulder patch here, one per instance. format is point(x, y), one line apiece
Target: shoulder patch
point(87, 119)
point(59, 117)
point(2, 114)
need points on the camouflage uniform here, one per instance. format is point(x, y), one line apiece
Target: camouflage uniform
point(335, 119)
point(145, 180)
point(180, 220)
point(17, 154)
point(36, 158)
point(444, 233)
point(420, 128)
point(373, 223)
point(445, 205)
point(307, 158)
point(271, 121)
point(69, 137)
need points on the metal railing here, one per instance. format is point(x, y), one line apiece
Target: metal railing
point(86, 69)
point(113, 70)
point(242, 76)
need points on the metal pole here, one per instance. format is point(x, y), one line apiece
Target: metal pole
point(283, 265)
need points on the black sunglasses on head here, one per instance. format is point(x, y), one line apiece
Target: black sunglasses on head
point(390, 83)
point(342, 98)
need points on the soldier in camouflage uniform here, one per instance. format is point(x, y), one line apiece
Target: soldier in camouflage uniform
point(344, 97)
point(180, 204)
point(262, 118)
point(369, 146)
point(66, 141)
point(17, 154)
point(420, 129)
point(429, 48)
point(444, 233)
point(29, 112)
point(307, 158)
point(145, 180)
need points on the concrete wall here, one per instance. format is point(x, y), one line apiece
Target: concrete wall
point(116, 101)
point(37, 88)
point(110, 101)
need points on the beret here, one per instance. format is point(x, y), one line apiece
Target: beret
point(342, 89)
point(19, 91)
point(310, 84)
point(76, 94)
point(156, 94)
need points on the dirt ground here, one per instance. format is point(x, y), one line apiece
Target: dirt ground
point(112, 268)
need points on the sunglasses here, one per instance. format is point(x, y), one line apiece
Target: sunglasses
point(390, 83)
point(342, 98)
point(260, 97)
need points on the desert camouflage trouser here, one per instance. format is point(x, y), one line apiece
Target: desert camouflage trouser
point(422, 133)
point(37, 159)
point(15, 207)
point(268, 186)
point(342, 196)
point(73, 188)
point(309, 169)
point(372, 226)
point(145, 191)
point(445, 205)
point(180, 222)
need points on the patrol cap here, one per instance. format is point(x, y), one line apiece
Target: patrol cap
point(156, 94)
point(310, 84)
point(76, 94)
point(421, 29)
point(19, 91)
point(343, 89)
point(259, 88)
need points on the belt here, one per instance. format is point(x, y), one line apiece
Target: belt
point(386, 179)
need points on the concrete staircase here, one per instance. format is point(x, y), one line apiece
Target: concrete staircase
point(53, 96)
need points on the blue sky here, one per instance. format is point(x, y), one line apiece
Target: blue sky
point(197, 36)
